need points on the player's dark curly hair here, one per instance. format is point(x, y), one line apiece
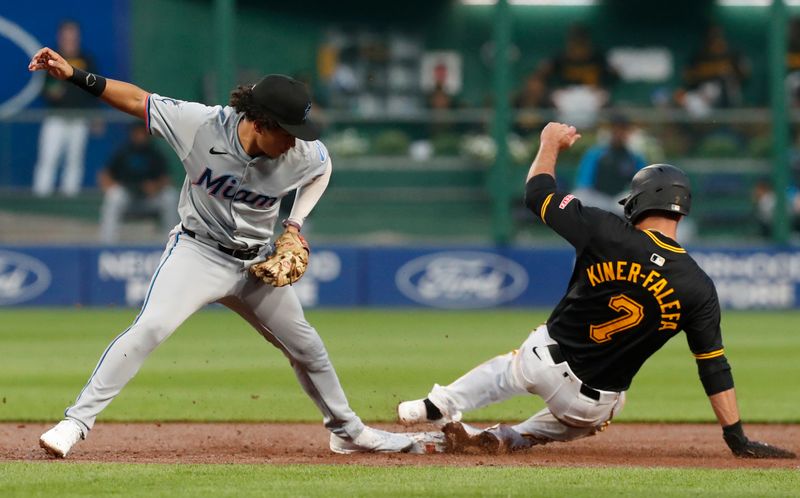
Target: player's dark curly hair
point(242, 101)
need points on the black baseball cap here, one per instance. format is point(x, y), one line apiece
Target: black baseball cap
point(288, 102)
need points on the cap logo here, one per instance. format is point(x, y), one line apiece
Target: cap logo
point(288, 102)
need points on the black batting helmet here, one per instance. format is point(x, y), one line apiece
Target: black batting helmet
point(658, 187)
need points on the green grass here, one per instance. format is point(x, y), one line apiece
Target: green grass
point(215, 367)
point(65, 480)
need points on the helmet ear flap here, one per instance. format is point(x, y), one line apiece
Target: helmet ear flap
point(628, 207)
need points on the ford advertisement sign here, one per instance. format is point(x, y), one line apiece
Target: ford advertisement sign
point(22, 278)
point(461, 279)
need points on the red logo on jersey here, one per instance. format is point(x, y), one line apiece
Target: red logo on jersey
point(566, 200)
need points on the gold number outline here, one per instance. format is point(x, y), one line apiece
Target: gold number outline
point(633, 314)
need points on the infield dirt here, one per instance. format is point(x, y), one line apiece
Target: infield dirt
point(641, 445)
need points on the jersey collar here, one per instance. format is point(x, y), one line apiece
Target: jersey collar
point(236, 141)
point(669, 245)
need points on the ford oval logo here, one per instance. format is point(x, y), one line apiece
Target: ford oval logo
point(22, 277)
point(461, 279)
point(29, 45)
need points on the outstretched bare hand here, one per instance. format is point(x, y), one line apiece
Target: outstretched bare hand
point(49, 60)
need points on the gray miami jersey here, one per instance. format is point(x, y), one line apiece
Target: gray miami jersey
point(228, 195)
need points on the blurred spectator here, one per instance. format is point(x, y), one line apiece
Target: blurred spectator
point(714, 76)
point(764, 202)
point(439, 98)
point(439, 101)
point(793, 63)
point(580, 63)
point(136, 184)
point(529, 102)
point(581, 78)
point(64, 134)
point(764, 196)
point(605, 171)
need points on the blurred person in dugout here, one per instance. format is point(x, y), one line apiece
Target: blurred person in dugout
point(532, 104)
point(606, 169)
point(440, 102)
point(793, 63)
point(136, 184)
point(64, 133)
point(714, 76)
point(765, 201)
point(580, 76)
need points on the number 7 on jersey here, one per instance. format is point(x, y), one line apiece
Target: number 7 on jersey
point(632, 315)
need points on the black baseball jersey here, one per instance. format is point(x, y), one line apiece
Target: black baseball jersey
point(630, 292)
point(592, 70)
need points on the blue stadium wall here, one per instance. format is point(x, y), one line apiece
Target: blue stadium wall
point(445, 278)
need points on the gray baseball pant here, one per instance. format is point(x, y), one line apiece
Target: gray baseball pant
point(190, 275)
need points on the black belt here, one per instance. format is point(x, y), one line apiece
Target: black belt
point(243, 254)
point(558, 357)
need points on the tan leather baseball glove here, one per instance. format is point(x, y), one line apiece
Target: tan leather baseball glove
point(287, 263)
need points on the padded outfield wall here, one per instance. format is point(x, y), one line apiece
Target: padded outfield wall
point(442, 277)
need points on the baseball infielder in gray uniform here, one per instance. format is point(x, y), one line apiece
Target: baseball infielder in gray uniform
point(240, 161)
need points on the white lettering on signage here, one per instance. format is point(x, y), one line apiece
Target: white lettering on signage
point(136, 291)
point(753, 280)
point(457, 279)
point(761, 265)
point(124, 265)
point(744, 294)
